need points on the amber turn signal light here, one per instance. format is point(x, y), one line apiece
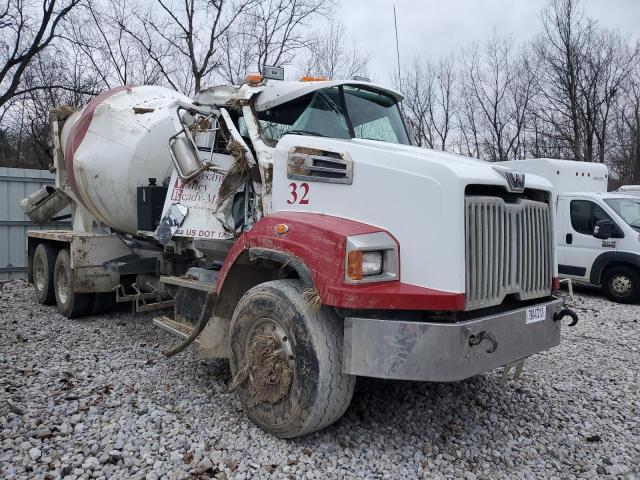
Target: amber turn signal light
point(354, 265)
point(281, 228)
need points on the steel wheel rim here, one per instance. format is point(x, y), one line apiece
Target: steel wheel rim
point(270, 325)
point(282, 352)
point(39, 274)
point(621, 285)
point(62, 284)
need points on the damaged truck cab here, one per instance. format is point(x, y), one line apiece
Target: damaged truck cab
point(294, 229)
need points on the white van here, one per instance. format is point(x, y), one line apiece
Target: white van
point(630, 189)
point(597, 233)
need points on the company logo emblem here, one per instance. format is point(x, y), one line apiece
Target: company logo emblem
point(515, 180)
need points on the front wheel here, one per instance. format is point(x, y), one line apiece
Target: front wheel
point(286, 360)
point(622, 284)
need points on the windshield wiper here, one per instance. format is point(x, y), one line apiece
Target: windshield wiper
point(304, 132)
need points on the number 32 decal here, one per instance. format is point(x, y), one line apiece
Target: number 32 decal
point(298, 193)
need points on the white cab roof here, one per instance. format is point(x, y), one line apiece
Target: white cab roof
point(276, 92)
point(565, 175)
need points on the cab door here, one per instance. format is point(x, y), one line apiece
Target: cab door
point(581, 248)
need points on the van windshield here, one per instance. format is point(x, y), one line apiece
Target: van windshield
point(628, 209)
point(337, 112)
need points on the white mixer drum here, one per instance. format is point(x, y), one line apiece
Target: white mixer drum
point(114, 145)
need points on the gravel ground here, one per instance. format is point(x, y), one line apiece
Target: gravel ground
point(94, 398)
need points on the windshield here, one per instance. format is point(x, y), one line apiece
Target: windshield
point(337, 112)
point(628, 209)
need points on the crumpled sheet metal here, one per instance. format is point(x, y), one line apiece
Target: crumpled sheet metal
point(170, 223)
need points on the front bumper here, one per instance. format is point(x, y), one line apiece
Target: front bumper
point(442, 352)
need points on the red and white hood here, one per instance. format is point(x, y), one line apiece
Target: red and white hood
point(416, 194)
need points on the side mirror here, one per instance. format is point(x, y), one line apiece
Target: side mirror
point(604, 229)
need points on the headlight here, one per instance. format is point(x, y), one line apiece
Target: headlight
point(372, 257)
point(371, 263)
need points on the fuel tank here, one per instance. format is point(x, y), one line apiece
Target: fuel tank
point(115, 144)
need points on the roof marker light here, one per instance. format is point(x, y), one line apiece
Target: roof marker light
point(314, 79)
point(253, 78)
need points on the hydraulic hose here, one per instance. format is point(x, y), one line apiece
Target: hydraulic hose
point(205, 314)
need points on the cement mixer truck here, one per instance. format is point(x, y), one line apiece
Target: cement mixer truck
point(291, 227)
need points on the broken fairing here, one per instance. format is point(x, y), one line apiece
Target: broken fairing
point(170, 223)
point(194, 134)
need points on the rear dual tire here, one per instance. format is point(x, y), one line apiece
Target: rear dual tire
point(42, 270)
point(70, 303)
point(53, 283)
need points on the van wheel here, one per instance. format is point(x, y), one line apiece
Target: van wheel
point(286, 360)
point(42, 267)
point(622, 284)
point(70, 303)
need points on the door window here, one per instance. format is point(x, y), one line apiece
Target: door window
point(585, 215)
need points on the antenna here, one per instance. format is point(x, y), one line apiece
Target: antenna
point(395, 21)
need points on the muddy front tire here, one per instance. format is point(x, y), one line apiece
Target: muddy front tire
point(42, 267)
point(286, 360)
point(70, 303)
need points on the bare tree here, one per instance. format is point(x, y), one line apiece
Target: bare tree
point(559, 48)
point(239, 51)
point(609, 62)
point(624, 154)
point(416, 85)
point(271, 32)
point(332, 54)
point(26, 30)
point(71, 81)
point(278, 28)
point(429, 102)
point(182, 37)
point(98, 33)
point(498, 86)
point(441, 109)
point(583, 69)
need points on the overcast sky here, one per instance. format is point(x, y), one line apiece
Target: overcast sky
point(436, 27)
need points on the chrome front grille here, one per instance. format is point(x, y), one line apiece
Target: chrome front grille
point(509, 250)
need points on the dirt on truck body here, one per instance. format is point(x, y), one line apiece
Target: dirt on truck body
point(249, 218)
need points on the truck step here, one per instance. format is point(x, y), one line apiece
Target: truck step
point(178, 329)
point(189, 283)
